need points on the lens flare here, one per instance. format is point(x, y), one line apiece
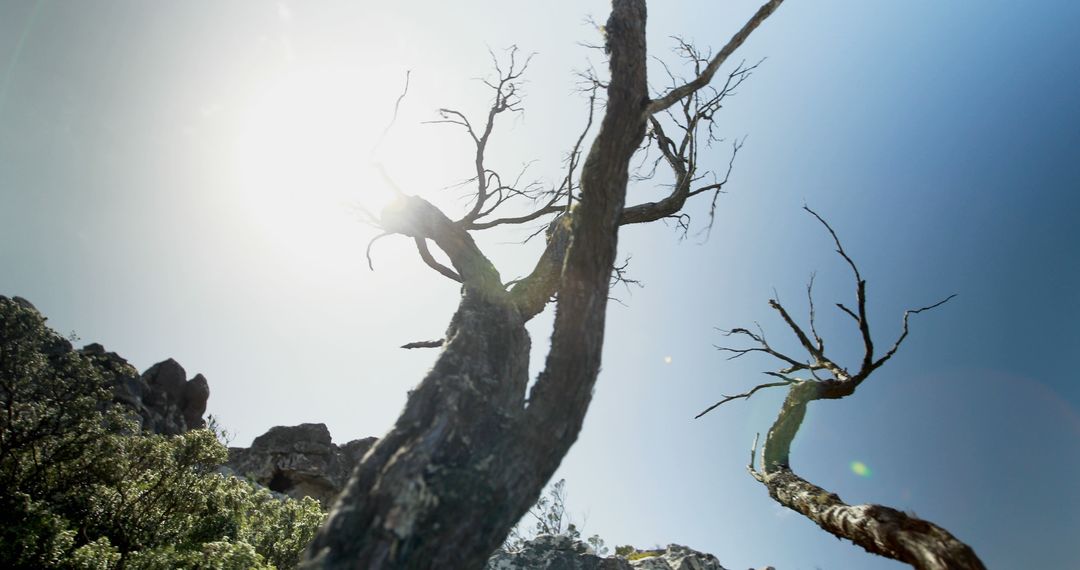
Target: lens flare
point(859, 468)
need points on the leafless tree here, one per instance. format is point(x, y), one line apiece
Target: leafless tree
point(472, 450)
point(879, 529)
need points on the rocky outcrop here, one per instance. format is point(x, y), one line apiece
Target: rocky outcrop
point(165, 401)
point(564, 553)
point(299, 461)
point(162, 398)
point(547, 552)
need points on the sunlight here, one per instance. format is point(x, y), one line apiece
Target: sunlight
point(305, 167)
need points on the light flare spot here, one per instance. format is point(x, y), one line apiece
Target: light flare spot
point(667, 360)
point(859, 468)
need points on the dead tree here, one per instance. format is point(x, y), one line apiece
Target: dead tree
point(472, 451)
point(878, 529)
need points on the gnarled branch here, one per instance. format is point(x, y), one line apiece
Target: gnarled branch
point(880, 530)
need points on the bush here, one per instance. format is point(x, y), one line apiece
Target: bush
point(80, 488)
point(550, 518)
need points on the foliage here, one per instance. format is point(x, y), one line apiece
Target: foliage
point(550, 518)
point(80, 488)
point(634, 554)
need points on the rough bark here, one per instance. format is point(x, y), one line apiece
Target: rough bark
point(878, 529)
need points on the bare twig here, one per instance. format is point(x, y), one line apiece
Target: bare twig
point(744, 395)
point(393, 118)
point(367, 250)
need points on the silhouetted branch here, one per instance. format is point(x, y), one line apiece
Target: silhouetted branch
point(693, 127)
point(744, 395)
point(706, 75)
point(425, 254)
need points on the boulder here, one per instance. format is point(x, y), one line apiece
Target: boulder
point(299, 461)
point(162, 398)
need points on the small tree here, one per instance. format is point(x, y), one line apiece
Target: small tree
point(549, 517)
point(879, 529)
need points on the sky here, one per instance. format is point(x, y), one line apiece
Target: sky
point(182, 180)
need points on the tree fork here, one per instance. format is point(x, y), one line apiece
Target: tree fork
point(467, 458)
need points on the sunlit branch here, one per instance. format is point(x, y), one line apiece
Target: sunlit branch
point(414, 217)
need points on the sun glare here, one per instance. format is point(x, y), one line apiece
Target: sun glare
point(305, 167)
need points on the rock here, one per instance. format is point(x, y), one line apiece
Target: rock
point(171, 403)
point(547, 552)
point(677, 557)
point(166, 380)
point(164, 400)
point(196, 393)
point(299, 461)
point(24, 303)
point(564, 553)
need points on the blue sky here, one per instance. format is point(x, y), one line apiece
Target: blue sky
point(175, 181)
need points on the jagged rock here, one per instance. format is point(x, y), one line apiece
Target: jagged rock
point(564, 553)
point(175, 403)
point(164, 400)
point(196, 393)
point(299, 461)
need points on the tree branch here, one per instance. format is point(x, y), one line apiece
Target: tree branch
point(706, 76)
point(417, 218)
point(880, 530)
point(425, 254)
point(744, 395)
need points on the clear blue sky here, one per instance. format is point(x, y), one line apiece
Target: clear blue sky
point(174, 181)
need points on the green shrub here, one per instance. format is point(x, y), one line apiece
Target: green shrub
point(80, 488)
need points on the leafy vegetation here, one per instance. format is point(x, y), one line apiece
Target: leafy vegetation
point(550, 518)
point(81, 488)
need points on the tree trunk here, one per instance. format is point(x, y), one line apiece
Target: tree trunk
point(469, 455)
